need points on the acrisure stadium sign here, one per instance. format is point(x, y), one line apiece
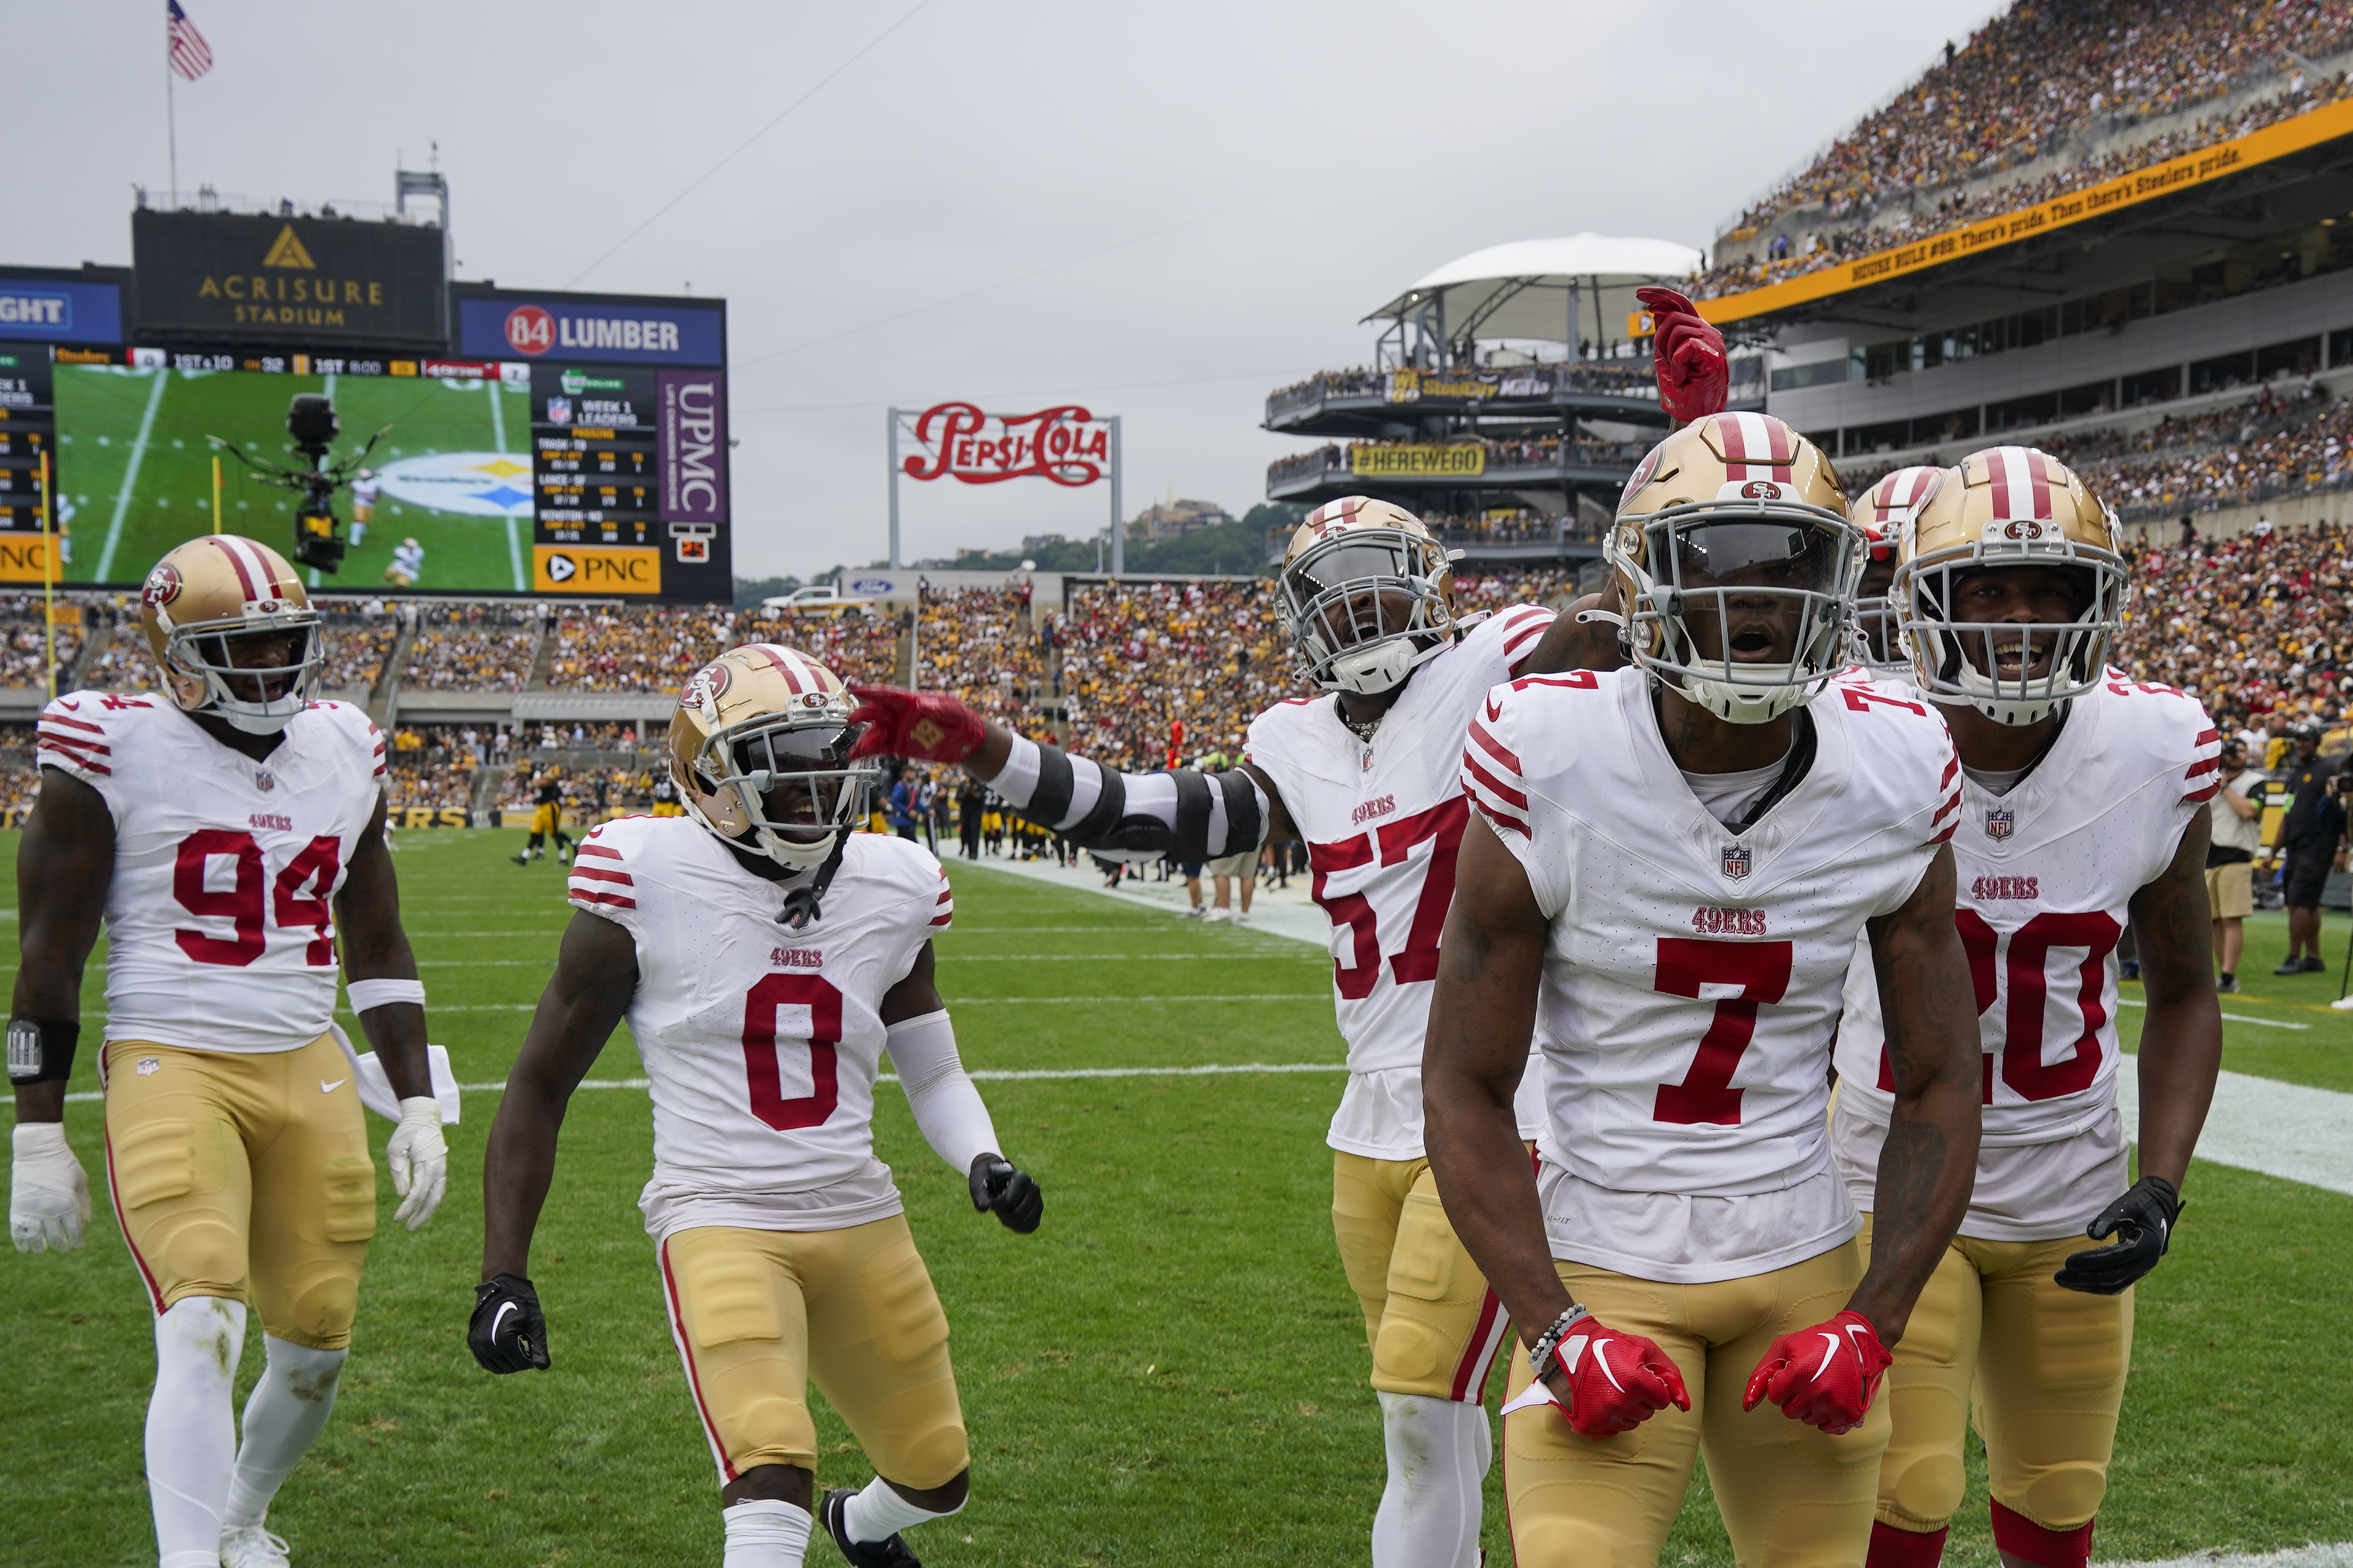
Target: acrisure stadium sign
point(2170, 177)
point(242, 278)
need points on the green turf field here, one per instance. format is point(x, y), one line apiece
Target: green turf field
point(135, 466)
point(1170, 1371)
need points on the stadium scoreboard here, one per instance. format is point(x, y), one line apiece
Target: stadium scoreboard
point(560, 444)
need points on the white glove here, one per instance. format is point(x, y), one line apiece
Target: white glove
point(48, 1196)
point(419, 1160)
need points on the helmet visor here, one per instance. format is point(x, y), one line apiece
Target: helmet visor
point(1360, 590)
point(797, 781)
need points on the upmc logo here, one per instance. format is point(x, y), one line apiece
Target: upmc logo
point(530, 330)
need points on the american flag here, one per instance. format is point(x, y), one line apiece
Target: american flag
point(191, 56)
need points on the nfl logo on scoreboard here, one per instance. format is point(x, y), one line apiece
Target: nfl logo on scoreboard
point(559, 411)
point(2000, 821)
point(1736, 861)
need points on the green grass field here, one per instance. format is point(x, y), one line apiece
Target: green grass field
point(1170, 1371)
point(102, 411)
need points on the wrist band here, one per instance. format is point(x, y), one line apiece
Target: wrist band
point(1549, 1340)
point(367, 994)
point(41, 1050)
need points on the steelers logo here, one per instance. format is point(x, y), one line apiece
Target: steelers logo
point(163, 585)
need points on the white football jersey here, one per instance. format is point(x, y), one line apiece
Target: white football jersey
point(2045, 876)
point(1693, 975)
point(220, 918)
point(762, 1043)
point(1382, 820)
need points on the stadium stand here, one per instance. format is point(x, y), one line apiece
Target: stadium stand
point(979, 643)
point(24, 649)
point(472, 647)
point(616, 648)
point(855, 644)
point(2033, 81)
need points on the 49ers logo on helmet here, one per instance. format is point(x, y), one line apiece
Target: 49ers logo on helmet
point(708, 684)
point(2023, 528)
point(163, 585)
point(1761, 489)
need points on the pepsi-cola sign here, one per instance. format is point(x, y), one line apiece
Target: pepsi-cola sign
point(1067, 445)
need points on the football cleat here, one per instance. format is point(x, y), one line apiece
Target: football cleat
point(891, 1551)
point(250, 1546)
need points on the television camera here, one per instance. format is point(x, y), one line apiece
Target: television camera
point(310, 420)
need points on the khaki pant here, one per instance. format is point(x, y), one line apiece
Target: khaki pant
point(1434, 1325)
point(243, 1176)
point(2043, 1367)
point(1791, 1495)
point(758, 1315)
point(2230, 891)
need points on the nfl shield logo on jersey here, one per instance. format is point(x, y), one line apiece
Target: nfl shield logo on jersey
point(2000, 821)
point(1735, 861)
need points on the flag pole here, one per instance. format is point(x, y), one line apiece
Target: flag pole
point(217, 521)
point(171, 118)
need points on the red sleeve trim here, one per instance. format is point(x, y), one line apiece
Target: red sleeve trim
point(601, 850)
point(1486, 784)
point(1493, 748)
point(48, 718)
point(598, 874)
point(2197, 797)
point(584, 896)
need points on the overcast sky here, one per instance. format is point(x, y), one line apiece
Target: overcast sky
point(1163, 212)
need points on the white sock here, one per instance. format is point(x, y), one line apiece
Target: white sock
point(191, 1428)
point(1438, 1450)
point(765, 1534)
point(877, 1513)
point(284, 1415)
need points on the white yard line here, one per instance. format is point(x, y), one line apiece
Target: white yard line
point(2283, 1129)
point(1279, 911)
point(131, 476)
point(2335, 1554)
point(2233, 1017)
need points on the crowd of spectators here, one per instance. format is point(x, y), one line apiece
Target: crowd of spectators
point(2254, 626)
point(25, 644)
point(980, 642)
point(636, 649)
point(2042, 71)
point(1606, 375)
point(1789, 257)
point(472, 647)
point(856, 644)
point(2273, 445)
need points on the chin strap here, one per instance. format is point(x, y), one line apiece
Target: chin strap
point(801, 911)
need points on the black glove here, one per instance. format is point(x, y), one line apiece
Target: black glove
point(997, 1185)
point(508, 1334)
point(2144, 1218)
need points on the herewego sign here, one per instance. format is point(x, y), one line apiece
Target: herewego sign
point(1066, 444)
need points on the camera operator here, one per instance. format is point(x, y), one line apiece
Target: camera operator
point(2237, 839)
point(2311, 834)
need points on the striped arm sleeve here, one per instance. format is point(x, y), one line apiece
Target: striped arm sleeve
point(2203, 777)
point(1190, 816)
point(1490, 774)
point(600, 883)
point(1948, 804)
point(944, 912)
point(1524, 627)
point(66, 739)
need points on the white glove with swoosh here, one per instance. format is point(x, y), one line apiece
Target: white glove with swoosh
point(48, 1196)
point(419, 1158)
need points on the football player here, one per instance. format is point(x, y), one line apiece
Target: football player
point(765, 956)
point(546, 821)
point(1368, 777)
point(2082, 807)
point(228, 831)
point(1881, 513)
point(1663, 880)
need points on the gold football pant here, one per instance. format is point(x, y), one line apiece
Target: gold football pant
point(758, 1315)
point(245, 1175)
point(1434, 1325)
point(2043, 1367)
point(1791, 1496)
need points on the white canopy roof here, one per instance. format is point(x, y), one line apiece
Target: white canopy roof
point(1522, 289)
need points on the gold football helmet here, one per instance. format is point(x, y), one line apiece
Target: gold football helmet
point(215, 598)
point(1737, 564)
point(1367, 595)
point(759, 749)
point(1881, 513)
point(1974, 639)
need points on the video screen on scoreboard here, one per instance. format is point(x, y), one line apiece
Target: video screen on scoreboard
point(487, 476)
point(451, 472)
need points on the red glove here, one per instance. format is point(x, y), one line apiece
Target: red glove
point(1825, 1376)
point(923, 726)
point(1615, 1381)
point(1688, 354)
